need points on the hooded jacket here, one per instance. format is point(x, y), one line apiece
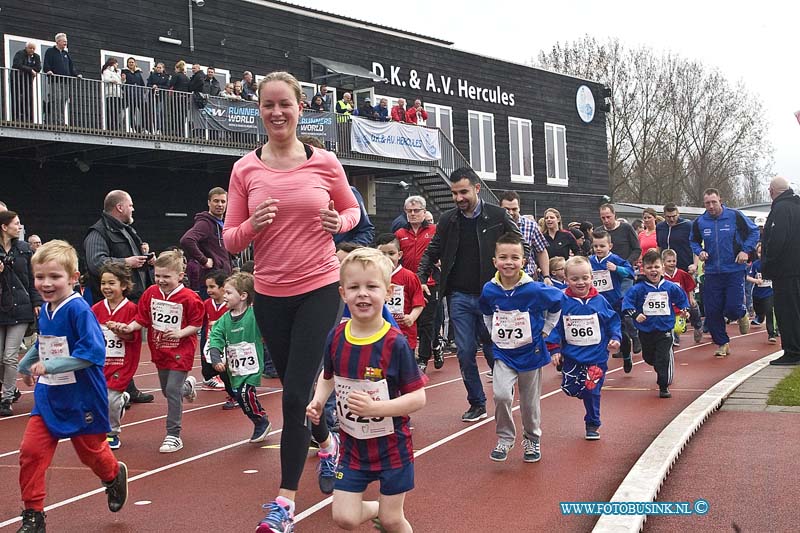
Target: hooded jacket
point(18, 297)
point(204, 240)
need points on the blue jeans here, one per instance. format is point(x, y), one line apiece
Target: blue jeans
point(469, 327)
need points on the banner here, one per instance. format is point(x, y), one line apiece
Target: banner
point(227, 115)
point(319, 124)
point(395, 139)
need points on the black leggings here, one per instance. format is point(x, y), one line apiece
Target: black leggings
point(295, 329)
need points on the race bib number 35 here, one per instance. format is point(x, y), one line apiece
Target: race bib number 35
point(357, 426)
point(115, 348)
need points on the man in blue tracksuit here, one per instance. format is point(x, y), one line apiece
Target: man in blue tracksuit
point(723, 238)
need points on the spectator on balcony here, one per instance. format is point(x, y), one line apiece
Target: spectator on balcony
point(382, 111)
point(417, 114)
point(27, 65)
point(304, 101)
point(238, 90)
point(327, 99)
point(399, 111)
point(211, 83)
point(58, 62)
point(133, 79)
point(317, 104)
point(345, 105)
point(158, 81)
point(249, 91)
point(366, 110)
point(197, 80)
point(112, 83)
point(177, 104)
point(229, 92)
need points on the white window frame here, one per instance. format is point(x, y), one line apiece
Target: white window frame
point(125, 57)
point(305, 85)
point(557, 177)
point(436, 110)
point(519, 124)
point(489, 176)
point(41, 47)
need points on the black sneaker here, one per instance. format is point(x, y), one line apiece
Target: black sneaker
point(627, 364)
point(141, 397)
point(5, 408)
point(17, 395)
point(261, 430)
point(475, 413)
point(664, 393)
point(637, 344)
point(786, 360)
point(438, 355)
point(117, 490)
point(326, 471)
point(532, 450)
point(32, 522)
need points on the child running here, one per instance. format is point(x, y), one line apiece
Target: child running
point(70, 398)
point(763, 299)
point(122, 350)
point(608, 269)
point(172, 314)
point(589, 328)
point(214, 307)
point(407, 300)
point(519, 313)
point(236, 335)
point(378, 384)
point(686, 281)
point(650, 304)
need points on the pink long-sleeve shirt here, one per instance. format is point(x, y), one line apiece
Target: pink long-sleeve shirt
point(293, 255)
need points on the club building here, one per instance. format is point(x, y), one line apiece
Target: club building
point(539, 133)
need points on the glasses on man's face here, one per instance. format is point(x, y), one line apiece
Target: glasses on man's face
point(414, 211)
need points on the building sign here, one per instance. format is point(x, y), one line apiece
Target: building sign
point(225, 115)
point(394, 139)
point(319, 124)
point(440, 84)
point(584, 101)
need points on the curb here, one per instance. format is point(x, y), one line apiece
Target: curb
point(648, 474)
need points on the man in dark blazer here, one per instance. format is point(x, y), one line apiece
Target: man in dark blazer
point(27, 65)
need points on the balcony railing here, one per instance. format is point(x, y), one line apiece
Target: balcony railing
point(84, 106)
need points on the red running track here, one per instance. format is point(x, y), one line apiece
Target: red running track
point(219, 481)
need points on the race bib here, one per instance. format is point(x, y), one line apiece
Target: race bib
point(582, 330)
point(242, 359)
point(511, 329)
point(656, 304)
point(397, 302)
point(358, 426)
point(601, 280)
point(766, 284)
point(166, 316)
point(51, 347)
point(115, 348)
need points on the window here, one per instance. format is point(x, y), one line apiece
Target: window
point(14, 44)
point(520, 149)
point(145, 63)
point(555, 142)
point(481, 144)
point(309, 89)
point(440, 116)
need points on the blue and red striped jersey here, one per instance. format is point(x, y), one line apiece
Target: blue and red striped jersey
point(387, 350)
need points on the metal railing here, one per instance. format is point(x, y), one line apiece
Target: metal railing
point(85, 106)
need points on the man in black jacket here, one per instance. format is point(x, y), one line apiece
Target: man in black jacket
point(28, 65)
point(464, 242)
point(210, 83)
point(113, 239)
point(780, 262)
point(57, 65)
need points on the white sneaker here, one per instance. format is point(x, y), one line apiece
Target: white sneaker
point(214, 383)
point(171, 444)
point(191, 382)
point(126, 397)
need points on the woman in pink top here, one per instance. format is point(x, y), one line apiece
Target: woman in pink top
point(647, 237)
point(288, 200)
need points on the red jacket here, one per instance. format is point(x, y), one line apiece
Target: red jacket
point(411, 115)
point(413, 245)
point(399, 114)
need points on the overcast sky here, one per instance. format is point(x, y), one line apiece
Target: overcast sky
point(753, 42)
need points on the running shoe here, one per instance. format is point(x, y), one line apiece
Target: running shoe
point(438, 354)
point(191, 384)
point(261, 430)
point(117, 489)
point(698, 335)
point(627, 364)
point(171, 444)
point(531, 450)
point(475, 413)
point(32, 522)
point(230, 404)
point(723, 350)
point(772, 340)
point(113, 442)
point(215, 383)
point(5, 408)
point(500, 452)
point(744, 325)
point(423, 366)
point(592, 433)
point(279, 519)
point(17, 395)
point(326, 471)
point(637, 344)
point(663, 392)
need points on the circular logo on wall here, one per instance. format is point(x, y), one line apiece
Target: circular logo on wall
point(584, 101)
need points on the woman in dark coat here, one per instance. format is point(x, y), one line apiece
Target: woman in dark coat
point(19, 303)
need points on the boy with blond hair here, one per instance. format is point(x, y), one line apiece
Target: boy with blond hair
point(378, 384)
point(70, 399)
point(172, 314)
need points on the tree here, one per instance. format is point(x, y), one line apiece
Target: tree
point(675, 127)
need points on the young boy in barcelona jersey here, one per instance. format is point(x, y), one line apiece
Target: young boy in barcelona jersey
point(686, 282)
point(70, 400)
point(236, 344)
point(650, 303)
point(519, 313)
point(173, 315)
point(407, 300)
point(378, 384)
point(122, 351)
point(589, 328)
point(608, 269)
